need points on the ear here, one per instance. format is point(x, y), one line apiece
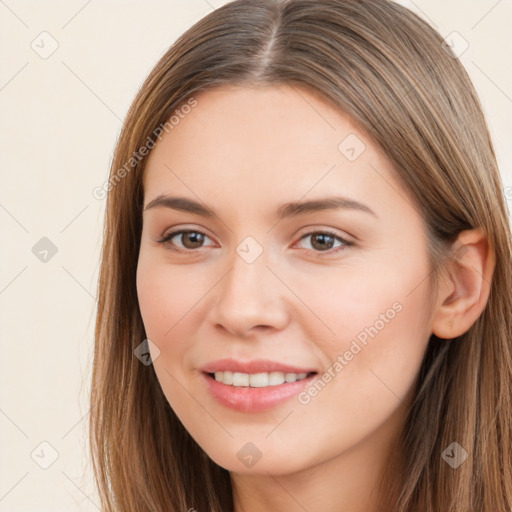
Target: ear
point(465, 288)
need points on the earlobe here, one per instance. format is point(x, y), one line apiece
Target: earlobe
point(466, 285)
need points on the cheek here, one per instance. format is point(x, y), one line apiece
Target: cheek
point(165, 298)
point(373, 330)
point(344, 302)
point(371, 369)
point(165, 294)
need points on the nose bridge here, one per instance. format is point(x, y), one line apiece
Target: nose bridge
point(246, 281)
point(249, 294)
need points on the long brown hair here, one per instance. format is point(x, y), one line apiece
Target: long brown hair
point(391, 73)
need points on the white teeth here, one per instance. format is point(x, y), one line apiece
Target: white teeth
point(240, 379)
point(257, 380)
point(275, 378)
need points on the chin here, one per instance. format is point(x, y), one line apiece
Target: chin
point(250, 460)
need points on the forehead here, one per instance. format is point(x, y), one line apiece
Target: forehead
point(271, 142)
point(230, 123)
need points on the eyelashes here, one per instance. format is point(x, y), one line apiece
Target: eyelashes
point(325, 236)
point(167, 239)
point(330, 235)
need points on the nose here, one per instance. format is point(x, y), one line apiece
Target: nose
point(250, 298)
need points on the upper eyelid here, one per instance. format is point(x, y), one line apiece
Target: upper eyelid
point(344, 240)
point(307, 231)
point(175, 231)
point(330, 231)
point(171, 234)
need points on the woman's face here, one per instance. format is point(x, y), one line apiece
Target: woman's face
point(302, 255)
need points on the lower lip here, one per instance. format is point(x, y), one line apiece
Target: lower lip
point(247, 399)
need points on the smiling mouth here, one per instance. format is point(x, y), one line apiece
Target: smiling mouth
point(257, 380)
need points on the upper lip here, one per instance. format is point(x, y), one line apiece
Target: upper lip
point(254, 366)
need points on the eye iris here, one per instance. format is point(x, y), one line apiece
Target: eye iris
point(323, 245)
point(193, 236)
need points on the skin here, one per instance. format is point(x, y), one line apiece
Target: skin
point(244, 152)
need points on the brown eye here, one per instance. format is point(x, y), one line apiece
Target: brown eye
point(324, 241)
point(190, 240)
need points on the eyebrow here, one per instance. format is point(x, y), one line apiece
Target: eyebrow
point(292, 209)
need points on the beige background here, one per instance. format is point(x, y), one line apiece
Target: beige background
point(60, 117)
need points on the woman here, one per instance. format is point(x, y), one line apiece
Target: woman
point(307, 237)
